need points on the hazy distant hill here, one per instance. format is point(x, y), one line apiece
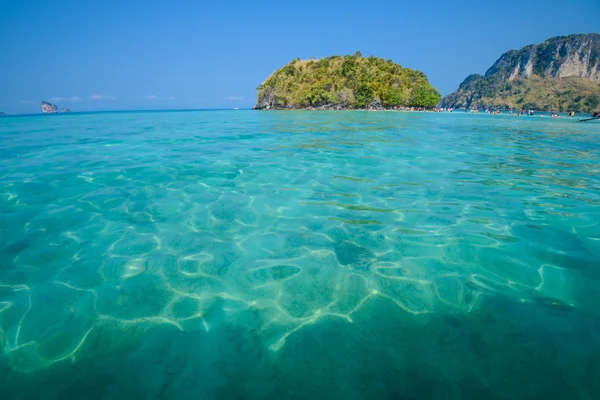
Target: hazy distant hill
point(562, 73)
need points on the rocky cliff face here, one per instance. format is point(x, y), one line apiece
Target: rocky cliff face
point(558, 57)
point(48, 108)
point(567, 67)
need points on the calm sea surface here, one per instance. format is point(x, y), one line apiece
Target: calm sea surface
point(300, 255)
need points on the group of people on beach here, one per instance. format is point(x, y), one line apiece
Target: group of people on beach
point(522, 112)
point(553, 114)
point(516, 113)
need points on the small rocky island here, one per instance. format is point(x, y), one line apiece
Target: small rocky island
point(348, 82)
point(48, 108)
point(560, 74)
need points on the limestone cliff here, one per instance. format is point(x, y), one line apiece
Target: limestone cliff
point(48, 108)
point(562, 73)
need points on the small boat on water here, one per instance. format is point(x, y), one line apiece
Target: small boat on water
point(595, 116)
point(588, 119)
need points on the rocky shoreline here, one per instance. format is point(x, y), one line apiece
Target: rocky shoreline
point(339, 108)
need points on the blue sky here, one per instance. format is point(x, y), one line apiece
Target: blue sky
point(195, 54)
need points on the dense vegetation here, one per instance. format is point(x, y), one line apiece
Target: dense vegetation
point(560, 74)
point(349, 82)
point(535, 92)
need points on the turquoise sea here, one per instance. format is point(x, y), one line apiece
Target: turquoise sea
point(299, 255)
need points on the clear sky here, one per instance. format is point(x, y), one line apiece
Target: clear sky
point(98, 55)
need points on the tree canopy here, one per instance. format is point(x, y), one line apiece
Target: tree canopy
point(353, 82)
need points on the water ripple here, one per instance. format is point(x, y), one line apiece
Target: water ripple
point(283, 223)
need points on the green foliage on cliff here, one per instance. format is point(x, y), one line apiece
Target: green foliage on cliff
point(424, 96)
point(537, 93)
point(353, 82)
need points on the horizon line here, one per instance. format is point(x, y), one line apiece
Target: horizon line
point(128, 110)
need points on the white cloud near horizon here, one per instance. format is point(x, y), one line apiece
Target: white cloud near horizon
point(72, 99)
point(235, 98)
point(102, 97)
point(155, 97)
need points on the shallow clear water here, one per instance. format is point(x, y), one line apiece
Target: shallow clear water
point(299, 255)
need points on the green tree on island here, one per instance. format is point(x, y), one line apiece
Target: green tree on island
point(348, 82)
point(424, 96)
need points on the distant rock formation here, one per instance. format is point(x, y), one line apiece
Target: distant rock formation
point(562, 73)
point(48, 108)
point(1, 113)
point(65, 110)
